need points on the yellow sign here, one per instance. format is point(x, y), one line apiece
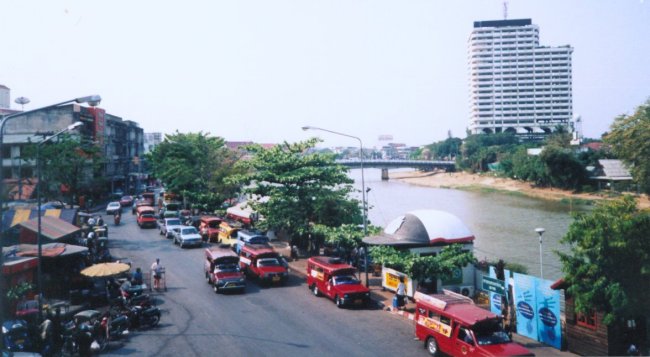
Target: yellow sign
point(392, 280)
point(435, 325)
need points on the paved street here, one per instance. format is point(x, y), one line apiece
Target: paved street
point(264, 321)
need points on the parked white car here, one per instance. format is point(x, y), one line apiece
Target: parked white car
point(167, 226)
point(187, 236)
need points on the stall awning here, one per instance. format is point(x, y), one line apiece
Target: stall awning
point(51, 227)
point(50, 250)
point(16, 216)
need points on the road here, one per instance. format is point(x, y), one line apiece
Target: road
point(270, 321)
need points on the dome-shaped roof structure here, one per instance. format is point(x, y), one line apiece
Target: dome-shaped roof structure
point(423, 228)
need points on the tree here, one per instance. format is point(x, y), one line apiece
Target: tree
point(479, 150)
point(68, 162)
point(563, 168)
point(303, 188)
point(196, 166)
point(608, 267)
point(345, 236)
point(419, 268)
point(630, 140)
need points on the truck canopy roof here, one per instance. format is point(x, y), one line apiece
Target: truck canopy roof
point(332, 265)
point(259, 249)
point(460, 307)
point(218, 252)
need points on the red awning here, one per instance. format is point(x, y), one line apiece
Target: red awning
point(51, 227)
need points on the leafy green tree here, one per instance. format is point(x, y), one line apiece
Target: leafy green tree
point(630, 140)
point(559, 138)
point(419, 268)
point(563, 168)
point(302, 187)
point(196, 165)
point(345, 236)
point(69, 161)
point(608, 267)
point(448, 148)
point(479, 150)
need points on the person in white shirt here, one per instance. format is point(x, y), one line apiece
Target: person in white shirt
point(400, 292)
point(156, 269)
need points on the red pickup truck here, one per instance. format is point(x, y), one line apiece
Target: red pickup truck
point(452, 324)
point(222, 271)
point(263, 262)
point(335, 279)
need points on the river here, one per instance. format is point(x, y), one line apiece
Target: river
point(504, 225)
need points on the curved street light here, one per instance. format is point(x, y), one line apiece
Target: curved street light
point(363, 186)
point(92, 100)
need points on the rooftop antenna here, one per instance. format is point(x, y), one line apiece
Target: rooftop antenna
point(505, 10)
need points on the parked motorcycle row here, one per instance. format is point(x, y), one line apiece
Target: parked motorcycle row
point(87, 332)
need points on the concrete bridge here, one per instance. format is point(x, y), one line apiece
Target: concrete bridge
point(386, 164)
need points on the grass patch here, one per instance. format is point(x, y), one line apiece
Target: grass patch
point(577, 201)
point(486, 190)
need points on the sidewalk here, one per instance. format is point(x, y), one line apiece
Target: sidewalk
point(384, 299)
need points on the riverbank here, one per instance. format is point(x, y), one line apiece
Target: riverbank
point(483, 182)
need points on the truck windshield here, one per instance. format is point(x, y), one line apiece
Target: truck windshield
point(268, 262)
point(490, 332)
point(344, 279)
point(227, 268)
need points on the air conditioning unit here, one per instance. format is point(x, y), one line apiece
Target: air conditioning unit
point(467, 290)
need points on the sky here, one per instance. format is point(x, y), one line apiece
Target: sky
point(260, 70)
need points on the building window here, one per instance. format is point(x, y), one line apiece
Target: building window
point(587, 320)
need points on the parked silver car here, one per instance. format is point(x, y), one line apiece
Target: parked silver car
point(187, 236)
point(167, 226)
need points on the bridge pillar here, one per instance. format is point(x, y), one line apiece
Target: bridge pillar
point(384, 174)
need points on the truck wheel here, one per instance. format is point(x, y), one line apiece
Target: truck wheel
point(338, 301)
point(432, 346)
point(315, 290)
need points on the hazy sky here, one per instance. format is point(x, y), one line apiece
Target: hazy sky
point(260, 70)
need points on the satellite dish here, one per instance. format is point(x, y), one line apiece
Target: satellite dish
point(22, 100)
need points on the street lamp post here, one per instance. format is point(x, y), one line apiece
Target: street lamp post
point(363, 188)
point(540, 231)
point(92, 100)
point(39, 240)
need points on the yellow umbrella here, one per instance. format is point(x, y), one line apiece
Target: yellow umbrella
point(105, 270)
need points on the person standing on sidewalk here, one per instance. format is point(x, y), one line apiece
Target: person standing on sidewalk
point(156, 270)
point(400, 292)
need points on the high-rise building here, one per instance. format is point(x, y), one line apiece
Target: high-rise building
point(151, 140)
point(516, 85)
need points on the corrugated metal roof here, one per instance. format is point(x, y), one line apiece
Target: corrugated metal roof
point(614, 170)
point(51, 227)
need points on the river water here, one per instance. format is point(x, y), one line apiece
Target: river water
point(504, 225)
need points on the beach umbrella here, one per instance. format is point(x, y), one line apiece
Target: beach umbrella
point(103, 270)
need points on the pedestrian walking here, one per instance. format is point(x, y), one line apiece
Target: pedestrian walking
point(156, 269)
point(400, 292)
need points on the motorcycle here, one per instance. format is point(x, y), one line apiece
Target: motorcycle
point(117, 217)
point(84, 334)
point(115, 326)
point(140, 317)
point(16, 336)
point(122, 304)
